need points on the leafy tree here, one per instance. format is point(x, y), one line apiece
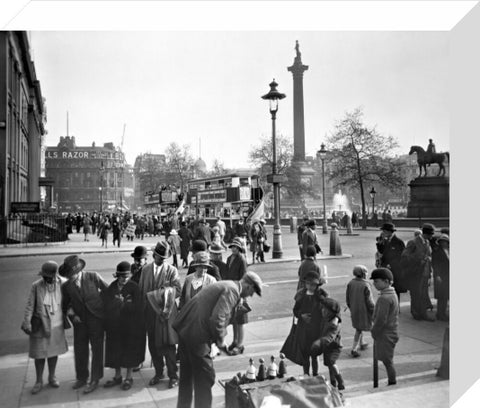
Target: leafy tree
point(180, 163)
point(361, 156)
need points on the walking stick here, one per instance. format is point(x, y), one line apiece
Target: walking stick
point(375, 367)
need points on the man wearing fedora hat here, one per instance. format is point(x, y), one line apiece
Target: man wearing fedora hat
point(390, 248)
point(139, 256)
point(418, 259)
point(82, 301)
point(162, 339)
point(203, 321)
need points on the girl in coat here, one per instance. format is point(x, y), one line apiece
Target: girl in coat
point(361, 305)
point(307, 310)
point(44, 323)
point(237, 267)
point(125, 332)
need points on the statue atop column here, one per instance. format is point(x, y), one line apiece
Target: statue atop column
point(297, 49)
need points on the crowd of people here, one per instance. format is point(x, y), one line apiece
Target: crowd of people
point(147, 305)
point(179, 231)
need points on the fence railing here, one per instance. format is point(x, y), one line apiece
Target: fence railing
point(30, 228)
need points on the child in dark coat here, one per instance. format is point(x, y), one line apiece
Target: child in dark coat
point(360, 302)
point(385, 321)
point(329, 342)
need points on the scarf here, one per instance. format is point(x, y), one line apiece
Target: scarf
point(50, 299)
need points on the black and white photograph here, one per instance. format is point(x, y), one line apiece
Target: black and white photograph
point(238, 204)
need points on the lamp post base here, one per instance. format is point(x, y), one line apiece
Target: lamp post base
point(277, 250)
point(324, 227)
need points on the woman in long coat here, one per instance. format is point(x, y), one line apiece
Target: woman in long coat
point(44, 323)
point(186, 236)
point(103, 230)
point(237, 267)
point(124, 324)
point(87, 226)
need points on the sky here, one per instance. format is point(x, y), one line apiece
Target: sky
point(204, 88)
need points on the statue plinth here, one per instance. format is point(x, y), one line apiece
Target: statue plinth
point(429, 197)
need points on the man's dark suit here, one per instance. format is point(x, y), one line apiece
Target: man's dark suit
point(204, 233)
point(87, 304)
point(391, 250)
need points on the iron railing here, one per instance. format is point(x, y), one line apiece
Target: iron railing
point(30, 228)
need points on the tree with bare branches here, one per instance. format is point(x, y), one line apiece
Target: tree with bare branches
point(360, 156)
point(180, 163)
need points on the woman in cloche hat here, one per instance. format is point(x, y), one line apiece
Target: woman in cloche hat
point(198, 280)
point(237, 267)
point(44, 323)
point(125, 338)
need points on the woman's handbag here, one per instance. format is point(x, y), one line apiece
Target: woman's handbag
point(291, 347)
point(266, 247)
point(317, 248)
point(36, 324)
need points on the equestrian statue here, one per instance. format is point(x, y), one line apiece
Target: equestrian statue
point(430, 157)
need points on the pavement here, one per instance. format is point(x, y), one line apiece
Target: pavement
point(417, 357)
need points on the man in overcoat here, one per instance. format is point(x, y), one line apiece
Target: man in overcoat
point(161, 336)
point(82, 303)
point(391, 247)
point(204, 321)
point(309, 236)
point(418, 257)
point(203, 232)
point(300, 230)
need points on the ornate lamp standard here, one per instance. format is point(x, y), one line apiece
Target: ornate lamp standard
point(101, 170)
point(273, 96)
point(372, 195)
point(322, 154)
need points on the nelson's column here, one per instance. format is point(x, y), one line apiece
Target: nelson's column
point(300, 172)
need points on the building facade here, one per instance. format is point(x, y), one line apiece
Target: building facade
point(87, 179)
point(22, 122)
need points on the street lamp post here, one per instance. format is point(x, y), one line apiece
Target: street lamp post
point(102, 170)
point(322, 153)
point(273, 96)
point(372, 195)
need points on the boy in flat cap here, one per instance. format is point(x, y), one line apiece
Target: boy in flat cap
point(385, 321)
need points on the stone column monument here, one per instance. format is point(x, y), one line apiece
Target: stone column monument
point(300, 168)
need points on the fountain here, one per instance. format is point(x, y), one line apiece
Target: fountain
point(340, 202)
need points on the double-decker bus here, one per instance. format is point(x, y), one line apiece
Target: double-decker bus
point(164, 202)
point(231, 196)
